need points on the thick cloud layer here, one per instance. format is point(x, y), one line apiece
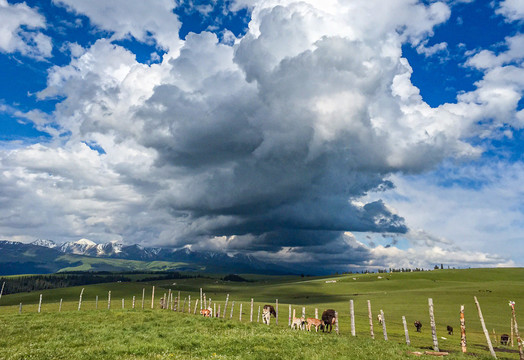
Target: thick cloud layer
point(266, 146)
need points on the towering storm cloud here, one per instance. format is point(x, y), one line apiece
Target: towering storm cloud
point(265, 143)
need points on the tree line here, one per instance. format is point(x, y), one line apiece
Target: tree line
point(27, 283)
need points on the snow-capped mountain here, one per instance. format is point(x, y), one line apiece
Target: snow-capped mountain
point(46, 243)
point(211, 260)
point(90, 248)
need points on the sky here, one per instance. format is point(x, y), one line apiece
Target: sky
point(344, 134)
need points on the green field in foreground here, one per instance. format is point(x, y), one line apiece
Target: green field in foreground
point(145, 334)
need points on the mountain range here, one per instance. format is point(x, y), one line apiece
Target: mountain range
point(46, 256)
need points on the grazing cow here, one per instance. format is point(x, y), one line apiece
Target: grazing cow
point(504, 339)
point(315, 322)
point(298, 323)
point(206, 312)
point(450, 330)
point(328, 318)
point(380, 320)
point(418, 325)
point(267, 312)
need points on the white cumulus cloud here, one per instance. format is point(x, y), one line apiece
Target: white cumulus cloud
point(19, 31)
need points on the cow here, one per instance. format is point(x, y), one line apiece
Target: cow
point(450, 329)
point(315, 322)
point(328, 318)
point(298, 323)
point(267, 312)
point(504, 339)
point(380, 320)
point(418, 325)
point(206, 312)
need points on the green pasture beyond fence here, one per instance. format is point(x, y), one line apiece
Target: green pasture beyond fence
point(243, 302)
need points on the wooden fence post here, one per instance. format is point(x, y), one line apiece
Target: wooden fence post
point(80, 299)
point(289, 319)
point(276, 310)
point(218, 313)
point(179, 301)
point(384, 325)
point(336, 322)
point(2, 291)
point(251, 313)
point(205, 301)
point(189, 304)
point(258, 316)
point(511, 326)
point(352, 311)
point(240, 316)
point(370, 320)
point(225, 306)
point(486, 334)
point(40, 304)
point(164, 303)
point(462, 330)
point(196, 305)
point(96, 303)
point(519, 340)
point(201, 299)
point(494, 336)
point(143, 297)
point(153, 298)
point(109, 300)
point(232, 306)
point(406, 333)
point(133, 301)
point(20, 309)
point(209, 305)
point(168, 299)
point(304, 312)
point(316, 313)
point(123, 307)
point(215, 309)
point(433, 325)
point(60, 306)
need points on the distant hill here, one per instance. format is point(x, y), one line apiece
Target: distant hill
point(45, 256)
point(18, 258)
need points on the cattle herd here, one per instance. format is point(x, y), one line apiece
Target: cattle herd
point(328, 320)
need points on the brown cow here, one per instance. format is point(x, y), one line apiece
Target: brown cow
point(418, 325)
point(315, 322)
point(206, 312)
point(298, 323)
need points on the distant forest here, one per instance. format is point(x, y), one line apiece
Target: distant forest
point(26, 283)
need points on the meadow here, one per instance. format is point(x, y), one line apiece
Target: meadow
point(161, 334)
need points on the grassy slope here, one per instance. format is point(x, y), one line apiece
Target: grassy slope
point(127, 334)
point(404, 294)
point(85, 263)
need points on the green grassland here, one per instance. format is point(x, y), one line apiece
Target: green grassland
point(86, 263)
point(147, 334)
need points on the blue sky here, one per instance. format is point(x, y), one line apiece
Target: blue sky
point(389, 130)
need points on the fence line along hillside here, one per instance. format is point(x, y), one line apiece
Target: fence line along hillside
point(435, 300)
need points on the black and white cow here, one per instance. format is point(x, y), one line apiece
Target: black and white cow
point(267, 312)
